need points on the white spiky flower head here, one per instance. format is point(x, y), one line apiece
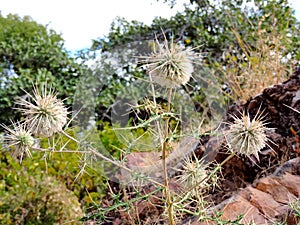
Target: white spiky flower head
point(19, 139)
point(45, 115)
point(247, 137)
point(194, 174)
point(170, 65)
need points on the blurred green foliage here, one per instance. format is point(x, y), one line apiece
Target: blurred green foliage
point(210, 25)
point(43, 190)
point(29, 195)
point(32, 53)
point(36, 199)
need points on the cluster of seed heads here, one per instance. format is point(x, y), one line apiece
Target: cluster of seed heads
point(44, 115)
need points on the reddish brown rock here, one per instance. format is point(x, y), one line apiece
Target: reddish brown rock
point(264, 202)
point(291, 182)
point(140, 159)
point(267, 203)
point(272, 186)
point(241, 206)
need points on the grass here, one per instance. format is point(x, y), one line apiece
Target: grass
point(255, 66)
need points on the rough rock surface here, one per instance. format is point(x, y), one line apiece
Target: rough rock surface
point(263, 198)
point(265, 202)
point(281, 105)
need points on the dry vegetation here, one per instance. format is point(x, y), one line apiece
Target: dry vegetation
point(258, 66)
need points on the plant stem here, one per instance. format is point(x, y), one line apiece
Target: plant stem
point(116, 163)
point(164, 156)
point(163, 141)
point(155, 105)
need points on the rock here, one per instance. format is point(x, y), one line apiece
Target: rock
point(292, 166)
point(239, 207)
point(273, 187)
point(271, 196)
point(150, 164)
point(292, 183)
point(265, 202)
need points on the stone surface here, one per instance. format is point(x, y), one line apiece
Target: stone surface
point(241, 206)
point(265, 202)
point(273, 187)
point(292, 183)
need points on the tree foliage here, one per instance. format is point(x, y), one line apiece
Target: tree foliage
point(210, 23)
point(30, 53)
point(223, 29)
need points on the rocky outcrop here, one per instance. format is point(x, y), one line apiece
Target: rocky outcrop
point(265, 202)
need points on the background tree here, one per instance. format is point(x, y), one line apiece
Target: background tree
point(30, 52)
point(209, 24)
point(230, 33)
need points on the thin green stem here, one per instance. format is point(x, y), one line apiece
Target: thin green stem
point(155, 105)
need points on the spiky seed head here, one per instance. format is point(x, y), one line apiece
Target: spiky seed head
point(19, 139)
point(152, 107)
point(193, 173)
point(45, 115)
point(247, 137)
point(170, 64)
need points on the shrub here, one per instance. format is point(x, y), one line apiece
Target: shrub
point(28, 198)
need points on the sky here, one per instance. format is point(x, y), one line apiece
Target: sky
point(81, 21)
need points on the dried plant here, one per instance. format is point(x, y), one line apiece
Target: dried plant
point(170, 65)
point(255, 66)
point(247, 137)
point(194, 174)
point(45, 115)
point(19, 139)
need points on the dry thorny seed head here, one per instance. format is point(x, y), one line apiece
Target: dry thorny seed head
point(19, 139)
point(45, 115)
point(152, 107)
point(247, 137)
point(170, 64)
point(194, 173)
